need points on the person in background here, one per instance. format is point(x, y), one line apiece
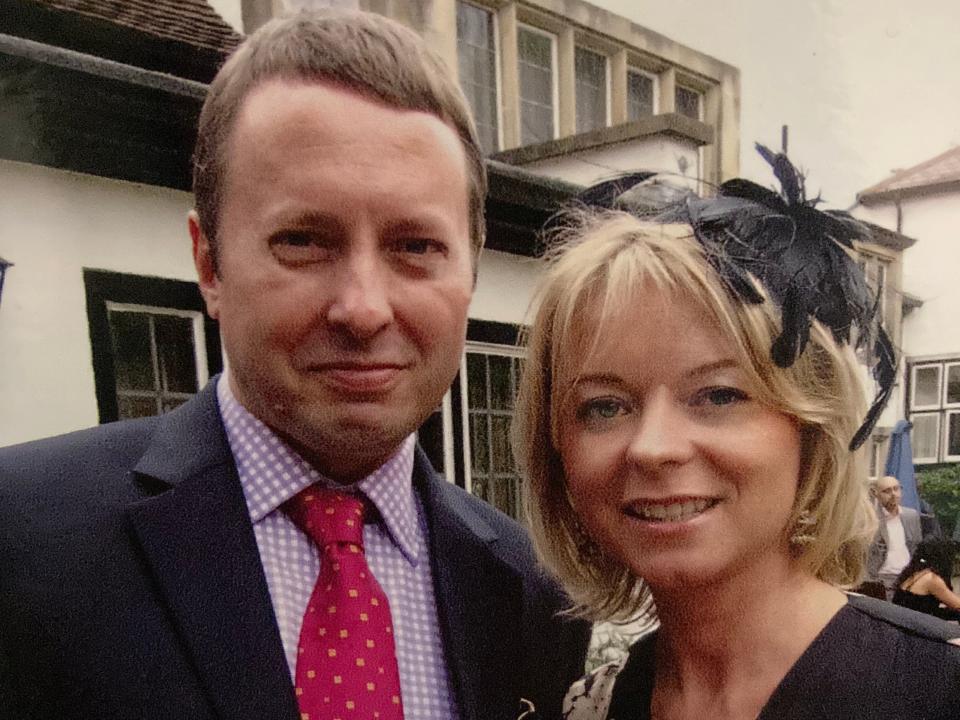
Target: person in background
point(279, 547)
point(925, 583)
point(898, 534)
point(688, 424)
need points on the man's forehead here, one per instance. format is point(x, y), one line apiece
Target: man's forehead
point(888, 484)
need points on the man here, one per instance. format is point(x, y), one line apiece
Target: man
point(897, 536)
point(162, 568)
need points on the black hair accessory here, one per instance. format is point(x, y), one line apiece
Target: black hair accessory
point(798, 253)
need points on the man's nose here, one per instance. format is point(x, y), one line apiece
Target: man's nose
point(661, 437)
point(360, 301)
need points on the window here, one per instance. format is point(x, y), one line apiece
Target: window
point(491, 387)
point(157, 356)
point(153, 347)
point(640, 95)
point(477, 61)
point(590, 70)
point(875, 270)
point(538, 107)
point(688, 102)
point(934, 403)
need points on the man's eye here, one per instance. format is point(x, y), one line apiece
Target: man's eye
point(292, 238)
point(298, 247)
point(419, 246)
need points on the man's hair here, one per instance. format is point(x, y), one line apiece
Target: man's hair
point(364, 52)
point(592, 277)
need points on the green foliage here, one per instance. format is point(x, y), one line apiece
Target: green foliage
point(940, 486)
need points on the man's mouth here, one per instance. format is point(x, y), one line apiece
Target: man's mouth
point(670, 510)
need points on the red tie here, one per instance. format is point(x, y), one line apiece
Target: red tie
point(346, 662)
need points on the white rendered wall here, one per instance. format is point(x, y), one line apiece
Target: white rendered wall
point(658, 154)
point(930, 271)
point(505, 285)
point(52, 225)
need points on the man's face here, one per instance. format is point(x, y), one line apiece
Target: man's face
point(344, 269)
point(888, 493)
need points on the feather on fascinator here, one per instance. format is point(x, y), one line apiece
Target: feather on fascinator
point(799, 254)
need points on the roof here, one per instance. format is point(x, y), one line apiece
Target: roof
point(937, 174)
point(193, 22)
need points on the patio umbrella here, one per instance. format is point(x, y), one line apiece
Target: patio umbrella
point(900, 464)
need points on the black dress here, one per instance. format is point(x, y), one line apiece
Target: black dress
point(927, 604)
point(872, 660)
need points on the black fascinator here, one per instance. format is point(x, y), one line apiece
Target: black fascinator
point(801, 256)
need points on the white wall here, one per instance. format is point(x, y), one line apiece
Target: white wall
point(505, 285)
point(930, 271)
point(52, 225)
point(658, 154)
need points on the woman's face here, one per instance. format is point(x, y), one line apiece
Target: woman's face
point(672, 464)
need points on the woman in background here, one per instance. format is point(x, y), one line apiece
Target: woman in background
point(925, 582)
point(685, 424)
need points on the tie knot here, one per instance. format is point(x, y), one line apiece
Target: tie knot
point(328, 516)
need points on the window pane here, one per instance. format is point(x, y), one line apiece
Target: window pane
point(501, 454)
point(591, 90)
point(688, 102)
point(476, 380)
point(136, 407)
point(536, 86)
point(175, 353)
point(504, 495)
point(130, 332)
point(476, 54)
point(501, 386)
point(926, 433)
point(639, 95)
point(953, 383)
point(927, 386)
point(953, 434)
point(479, 444)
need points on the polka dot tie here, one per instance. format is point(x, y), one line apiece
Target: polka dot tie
point(346, 661)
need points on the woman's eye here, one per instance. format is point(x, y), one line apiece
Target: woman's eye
point(601, 409)
point(719, 396)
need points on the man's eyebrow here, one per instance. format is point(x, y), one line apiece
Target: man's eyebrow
point(310, 219)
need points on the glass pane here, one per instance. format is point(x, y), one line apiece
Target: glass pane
point(477, 69)
point(927, 386)
point(926, 432)
point(591, 90)
point(476, 381)
point(501, 455)
point(479, 444)
point(535, 48)
point(688, 102)
point(175, 353)
point(537, 123)
point(639, 95)
point(953, 434)
point(501, 385)
point(536, 86)
point(504, 496)
point(130, 332)
point(953, 383)
point(136, 407)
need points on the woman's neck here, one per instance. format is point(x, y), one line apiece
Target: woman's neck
point(723, 648)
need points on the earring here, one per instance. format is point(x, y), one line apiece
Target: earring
point(804, 529)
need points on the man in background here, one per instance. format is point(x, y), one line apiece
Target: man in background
point(897, 536)
point(182, 566)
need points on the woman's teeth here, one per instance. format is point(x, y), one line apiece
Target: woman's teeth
point(671, 512)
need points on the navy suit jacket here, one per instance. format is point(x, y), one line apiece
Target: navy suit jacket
point(131, 585)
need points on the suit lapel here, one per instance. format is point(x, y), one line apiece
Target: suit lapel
point(196, 534)
point(479, 601)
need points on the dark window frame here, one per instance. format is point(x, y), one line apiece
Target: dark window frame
point(106, 286)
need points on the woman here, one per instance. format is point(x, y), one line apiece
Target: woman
point(925, 582)
point(684, 423)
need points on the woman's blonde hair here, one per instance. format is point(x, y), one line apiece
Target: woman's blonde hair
point(595, 270)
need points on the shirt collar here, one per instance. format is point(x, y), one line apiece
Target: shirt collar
point(271, 472)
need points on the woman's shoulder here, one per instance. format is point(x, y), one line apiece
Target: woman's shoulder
point(897, 624)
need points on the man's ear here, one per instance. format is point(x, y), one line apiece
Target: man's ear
point(207, 276)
